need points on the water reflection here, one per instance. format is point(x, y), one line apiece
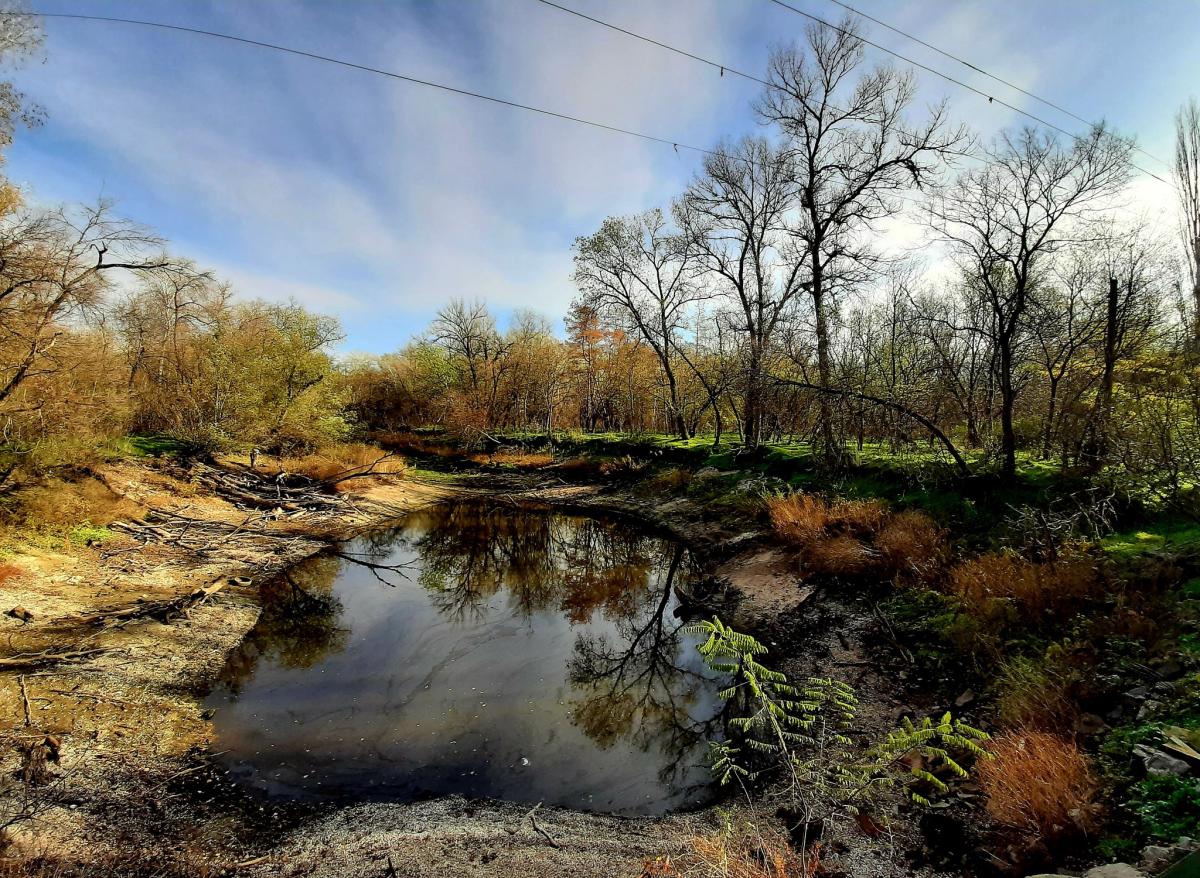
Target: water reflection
point(484, 650)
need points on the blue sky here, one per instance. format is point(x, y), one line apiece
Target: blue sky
point(378, 200)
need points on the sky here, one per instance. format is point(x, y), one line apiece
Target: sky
point(379, 200)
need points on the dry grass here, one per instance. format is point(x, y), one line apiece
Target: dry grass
point(857, 537)
point(514, 458)
point(1037, 593)
point(56, 503)
point(346, 459)
point(671, 480)
point(1040, 783)
point(1035, 696)
point(746, 854)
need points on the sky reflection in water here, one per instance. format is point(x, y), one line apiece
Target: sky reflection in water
point(527, 656)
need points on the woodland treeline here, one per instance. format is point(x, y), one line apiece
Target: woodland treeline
point(1042, 317)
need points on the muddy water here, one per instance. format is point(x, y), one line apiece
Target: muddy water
point(480, 650)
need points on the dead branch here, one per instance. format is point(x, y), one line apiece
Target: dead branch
point(164, 610)
point(37, 659)
point(547, 835)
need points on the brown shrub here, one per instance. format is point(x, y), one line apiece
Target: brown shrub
point(1041, 783)
point(518, 459)
point(672, 480)
point(913, 546)
point(346, 458)
point(856, 537)
point(1036, 695)
point(1038, 593)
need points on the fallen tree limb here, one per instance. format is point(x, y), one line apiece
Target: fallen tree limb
point(547, 835)
point(933, 429)
point(35, 660)
point(164, 610)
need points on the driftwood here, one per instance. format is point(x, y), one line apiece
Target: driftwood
point(37, 659)
point(547, 835)
point(164, 610)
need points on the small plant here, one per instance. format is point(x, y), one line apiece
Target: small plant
point(805, 732)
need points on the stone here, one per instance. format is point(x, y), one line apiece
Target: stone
point(1114, 870)
point(1160, 764)
point(1135, 696)
point(708, 472)
point(898, 713)
point(1155, 858)
point(21, 613)
point(964, 699)
point(1170, 670)
point(1089, 724)
point(1150, 707)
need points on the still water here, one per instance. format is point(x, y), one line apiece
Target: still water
point(481, 650)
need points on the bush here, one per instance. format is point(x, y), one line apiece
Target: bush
point(346, 459)
point(1035, 695)
point(1041, 783)
point(857, 537)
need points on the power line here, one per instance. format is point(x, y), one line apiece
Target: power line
point(948, 78)
point(677, 145)
point(724, 68)
point(1011, 85)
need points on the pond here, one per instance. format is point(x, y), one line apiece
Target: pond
point(482, 650)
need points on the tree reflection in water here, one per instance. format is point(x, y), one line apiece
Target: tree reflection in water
point(299, 626)
point(644, 683)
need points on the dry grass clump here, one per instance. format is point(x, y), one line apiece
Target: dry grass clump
point(856, 537)
point(992, 584)
point(346, 459)
point(1041, 783)
point(672, 480)
point(1035, 695)
point(761, 853)
point(515, 458)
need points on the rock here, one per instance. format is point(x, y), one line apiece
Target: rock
point(1148, 708)
point(20, 613)
point(1160, 764)
point(1113, 870)
point(964, 699)
point(1170, 670)
point(1135, 696)
point(898, 713)
point(708, 472)
point(1089, 724)
point(1155, 858)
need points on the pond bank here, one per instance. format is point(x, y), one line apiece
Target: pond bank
point(137, 791)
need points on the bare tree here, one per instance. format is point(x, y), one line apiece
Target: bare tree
point(1187, 187)
point(734, 214)
point(639, 271)
point(1004, 220)
point(852, 152)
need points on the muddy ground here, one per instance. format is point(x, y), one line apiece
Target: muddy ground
point(129, 787)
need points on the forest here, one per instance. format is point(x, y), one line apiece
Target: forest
point(969, 465)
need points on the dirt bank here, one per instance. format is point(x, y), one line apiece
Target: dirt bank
point(130, 787)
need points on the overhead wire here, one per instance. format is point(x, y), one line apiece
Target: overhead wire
point(980, 70)
point(948, 78)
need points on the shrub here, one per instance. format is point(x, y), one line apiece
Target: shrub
point(857, 537)
point(1041, 783)
point(1035, 695)
point(346, 459)
point(672, 480)
point(750, 852)
point(1039, 594)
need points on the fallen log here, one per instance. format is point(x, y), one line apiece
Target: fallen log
point(34, 660)
point(165, 609)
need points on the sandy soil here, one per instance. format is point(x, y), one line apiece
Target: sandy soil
point(133, 791)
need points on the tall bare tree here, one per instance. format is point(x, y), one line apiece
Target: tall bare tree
point(1005, 219)
point(641, 272)
point(1187, 186)
point(734, 213)
point(851, 151)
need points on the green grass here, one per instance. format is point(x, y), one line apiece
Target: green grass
point(151, 445)
point(1160, 532)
